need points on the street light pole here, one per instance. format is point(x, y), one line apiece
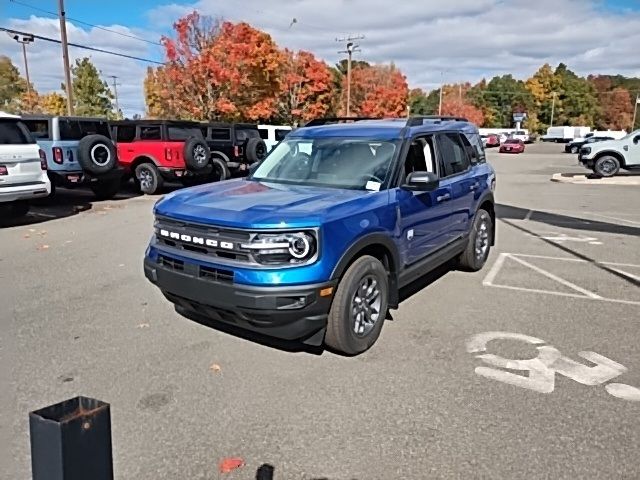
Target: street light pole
point(441, 88)
point(635, 112)
point(553, 108)
point(65, 57)
point(23, 40)
point(351, 47)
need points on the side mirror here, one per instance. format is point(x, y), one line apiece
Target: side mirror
point(422, 181)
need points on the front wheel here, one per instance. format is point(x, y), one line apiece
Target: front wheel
point(480, 239)
point(359, 307)
point(148, 177)
point(606, 166)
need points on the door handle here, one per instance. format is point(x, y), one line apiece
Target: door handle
point(443, 198)
point(474, 186)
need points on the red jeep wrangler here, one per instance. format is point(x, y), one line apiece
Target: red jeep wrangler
point(153, 151)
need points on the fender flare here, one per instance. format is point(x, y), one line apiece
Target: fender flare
point(217, 153)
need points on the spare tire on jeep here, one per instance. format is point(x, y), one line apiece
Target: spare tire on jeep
point(196, 153)
point(255, 150)
point(97, 154)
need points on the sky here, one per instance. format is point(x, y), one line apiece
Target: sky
point(431, 41)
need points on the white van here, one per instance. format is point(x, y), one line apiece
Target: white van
point(565, 133)
point(23, 170)
point(273, 134)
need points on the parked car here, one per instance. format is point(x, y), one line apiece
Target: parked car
point(493, 140)
point(234, 146)
point(316, 247)
point(608, 157)
point(521, 135)
point(502, 137)
point(23, 169)
point(79, 151)
point(155, 151)
point(273, 134)
point(564, 134)
point(512, 145)
point(574, 146)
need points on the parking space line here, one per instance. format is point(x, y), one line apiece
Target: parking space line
point(547, 292)
point(562, 281)
point(488, 280)
point(634, 223)
point(528, 215)
point(567, 259)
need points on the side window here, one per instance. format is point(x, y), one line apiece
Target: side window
point(70, 130)
point(264, 133)
point(453, 158)
point(477, 154)
point(150, 132)
point(13, 132)
point(204, 131)
point(280, 134)
point(220, 134)
point(420, 157)
point(39, 128)
point(126, 133)
point(94, 128)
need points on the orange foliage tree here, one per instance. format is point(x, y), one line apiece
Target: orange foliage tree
point(456, 106)
point(377, 91)
point(307, 88)
point(617, 110)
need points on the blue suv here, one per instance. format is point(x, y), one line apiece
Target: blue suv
point(317, 241)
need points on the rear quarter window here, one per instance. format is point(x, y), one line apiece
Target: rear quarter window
point(78, 129)
point(264, 133)
point(244, 134)
point(39, 129)
point(13, 132)
point(125, 133)
point(478, 155)
point(220, 134)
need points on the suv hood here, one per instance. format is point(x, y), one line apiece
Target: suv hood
point(250, 204)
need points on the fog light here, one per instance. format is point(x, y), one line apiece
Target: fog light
point(291, 303)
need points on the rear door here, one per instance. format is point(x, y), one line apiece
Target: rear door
point(19, 157)
point(458, 176)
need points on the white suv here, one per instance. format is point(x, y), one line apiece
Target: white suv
point(608, 157)
point(23, 171)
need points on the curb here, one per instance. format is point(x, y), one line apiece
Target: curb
point(584, 180)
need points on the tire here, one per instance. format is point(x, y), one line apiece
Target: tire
point(196, 154)
point(574, 149)
point(341, 324)
point(220, 170)
point(97, 154)
point(475, 255)
point(256, 150)
point(105, 189)
point(607, 166)
point(148, 178)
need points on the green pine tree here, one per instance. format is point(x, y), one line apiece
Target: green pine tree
point(91, 95)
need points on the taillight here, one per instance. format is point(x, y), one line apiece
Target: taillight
point(167, 154)
point(57, 155)
point(236, 151)
point(43, 159)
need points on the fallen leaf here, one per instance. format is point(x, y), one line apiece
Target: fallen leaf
point(143, 325)
point(42, 233)
point(227, 465)
point(121, 265)
point(26, 235)
point(43, 247)
point(32, 230)
point(68, 241)
point(215, 368)
point(101, 213)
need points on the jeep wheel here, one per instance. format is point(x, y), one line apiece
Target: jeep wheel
point(220, 170)
point(148, 177)
point(256, 150)
point(105, 189)
point(97, 154)
point(196, 154)
point(475, 255)
point(359, 307)
point(606, 166)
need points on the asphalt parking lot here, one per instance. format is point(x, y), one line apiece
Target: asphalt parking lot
point(436, 397)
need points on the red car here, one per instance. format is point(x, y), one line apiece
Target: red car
point(492, 140)
point(512, 145)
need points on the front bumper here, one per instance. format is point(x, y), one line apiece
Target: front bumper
point(587, 162)
point(285, 312)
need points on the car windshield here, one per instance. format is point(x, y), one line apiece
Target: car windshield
point(353, 163)
point(631, 135)
point(512, 140)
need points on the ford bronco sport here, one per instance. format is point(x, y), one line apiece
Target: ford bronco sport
point(234, 147)
point(608, 157)
point(317, 241)
point(78, 151)
point(153, 151)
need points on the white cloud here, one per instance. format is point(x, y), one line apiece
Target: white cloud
point(468, 39)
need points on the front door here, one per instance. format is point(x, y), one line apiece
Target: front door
point(422, 216)
point(633, 159)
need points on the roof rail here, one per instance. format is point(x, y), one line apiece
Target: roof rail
point(419, 119)
point(324, 121)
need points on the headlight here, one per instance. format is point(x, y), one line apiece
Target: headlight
point(585, 150)
point(283, 248)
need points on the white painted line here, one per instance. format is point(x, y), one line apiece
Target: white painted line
point(616, 218)
point(563, 294)
point(488, 280)
point(562, 281)
point(528, 215)
point(569, 259)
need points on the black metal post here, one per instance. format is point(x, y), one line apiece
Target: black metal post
point(71, 440)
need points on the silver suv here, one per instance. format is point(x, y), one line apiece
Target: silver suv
point(608, 157)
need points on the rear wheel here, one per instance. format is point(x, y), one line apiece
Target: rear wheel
point(607, 166)
point(359, 307)
point(475, 255)
point(220, 170)
point(105, 189)
point(148, 177)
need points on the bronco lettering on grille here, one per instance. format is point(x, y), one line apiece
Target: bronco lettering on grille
point(196, 240)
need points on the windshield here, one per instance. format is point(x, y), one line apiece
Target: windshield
point(353, 163)
point(631, 135)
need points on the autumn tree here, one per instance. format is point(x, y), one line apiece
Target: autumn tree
point(91, 95)
point(503, 96)
point(577, 102)
point(617, 110)
point(377, 91)
point(53, 104)
point(459, 106)
point(541, 86)
point(12, 85)
point(307, 88)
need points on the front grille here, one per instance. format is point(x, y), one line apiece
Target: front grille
point(216, 274)
point(213, 242)
point(172, 263)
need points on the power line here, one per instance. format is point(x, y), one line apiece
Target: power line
point(84, 47)
point(53, 14)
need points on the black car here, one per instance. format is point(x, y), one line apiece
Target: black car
point(574, 147)
point(234, 147)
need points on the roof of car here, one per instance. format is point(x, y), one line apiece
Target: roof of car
point(156, 122)
point(64, 117)
point(386, 129)
point(7, 115)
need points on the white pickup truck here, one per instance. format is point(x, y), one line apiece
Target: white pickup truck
point(608, 157)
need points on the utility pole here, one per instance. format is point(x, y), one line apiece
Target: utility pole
point(441, 89)
point(351, 47)
point(635, 112)
point(24, 40)
point(65, 56)
point(553, 108)
point(115, 92)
